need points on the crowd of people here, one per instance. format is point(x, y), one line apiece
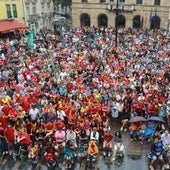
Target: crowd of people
point(73, 88)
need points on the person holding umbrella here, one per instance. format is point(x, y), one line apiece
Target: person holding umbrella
point(136, 126)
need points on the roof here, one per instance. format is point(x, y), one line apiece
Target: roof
point(10, 26)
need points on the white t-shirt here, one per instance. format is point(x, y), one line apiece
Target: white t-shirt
point(33, 113)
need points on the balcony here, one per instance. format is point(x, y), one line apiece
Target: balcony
point(129, 8)
point(32, 18)
point(44, 15)
point(121, 8)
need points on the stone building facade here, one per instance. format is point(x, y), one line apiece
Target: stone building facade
point(146, 14)
point(38, 13)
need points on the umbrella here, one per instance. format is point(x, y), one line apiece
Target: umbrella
point(161, 52)
point(156, 118)
point(90, 40)
point(137, 119)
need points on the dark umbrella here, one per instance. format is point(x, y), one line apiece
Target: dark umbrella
point(156, 118)
point(90, 40)
point(137, 119)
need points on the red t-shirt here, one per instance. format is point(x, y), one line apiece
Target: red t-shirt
point(26, 140)
point(9, 134)
point(108, 137)
point(49, 126)
point(60, 124)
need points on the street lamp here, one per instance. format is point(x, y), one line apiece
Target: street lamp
point(117, 9)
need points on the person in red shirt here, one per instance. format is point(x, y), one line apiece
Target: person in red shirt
point(49, 128)
point(23, 137)
point(3, 143)
point(107, 141)
point(10, 137)
point(22, 140)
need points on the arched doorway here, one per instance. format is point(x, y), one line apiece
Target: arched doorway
point(102, 20)
point(85, 20)
point(155, 22)
point(137, 21)
point(120, 21)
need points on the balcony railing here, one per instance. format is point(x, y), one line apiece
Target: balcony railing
point(32, 18)
point(122, 8)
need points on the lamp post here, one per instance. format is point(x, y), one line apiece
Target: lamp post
point(119, 7)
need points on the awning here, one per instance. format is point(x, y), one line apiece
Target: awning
point(10, 26)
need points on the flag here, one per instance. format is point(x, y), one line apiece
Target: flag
point(150, 16)
point(141, 16)
point(31, 40)
point(141, 19)
point(55, 68)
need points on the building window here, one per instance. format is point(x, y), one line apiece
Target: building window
point(139, 2)
point(157, 2)
point(14, 10)
point(84, 0)
point(122, 1)
point(102, 1)
point(34, 10)
point(8, 10)
point(27, 10)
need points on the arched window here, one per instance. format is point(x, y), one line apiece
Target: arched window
point(120, 21)
point(155, 22)
point(85, 20)
point(102, 20)
point(137, 21)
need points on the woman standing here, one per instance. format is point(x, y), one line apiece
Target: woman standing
point(118, 144)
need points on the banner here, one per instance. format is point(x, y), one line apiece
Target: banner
point(55, 68)
point(150, 16)
point(31, 40)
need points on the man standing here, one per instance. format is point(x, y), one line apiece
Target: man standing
point(94, 135)
point(33, 113)
point(165, 138)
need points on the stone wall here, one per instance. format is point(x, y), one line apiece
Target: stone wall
point(94, 8)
